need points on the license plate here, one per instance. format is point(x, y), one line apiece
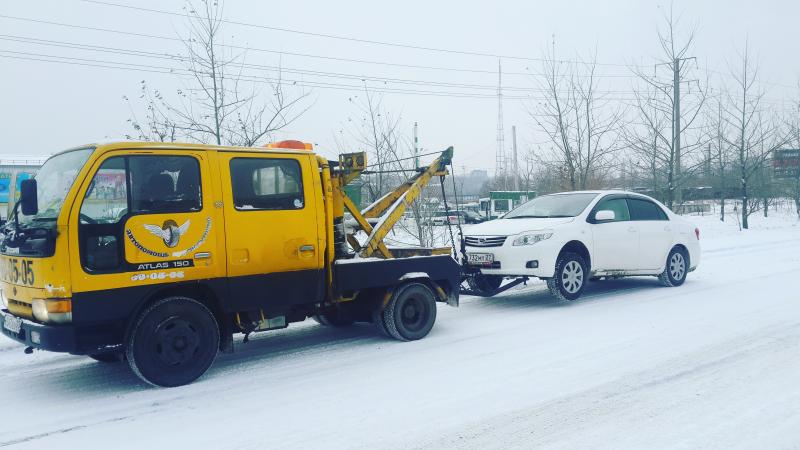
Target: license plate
point(12, 324)
point(480, 258)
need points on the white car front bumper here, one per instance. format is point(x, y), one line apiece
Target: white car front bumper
point(537, 260)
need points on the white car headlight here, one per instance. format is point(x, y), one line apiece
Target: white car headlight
point(532, 237)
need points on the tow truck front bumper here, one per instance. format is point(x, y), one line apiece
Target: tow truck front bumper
point(58, 338)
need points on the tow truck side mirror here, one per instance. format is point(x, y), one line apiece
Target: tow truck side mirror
point(604, 215)
point(28, 198)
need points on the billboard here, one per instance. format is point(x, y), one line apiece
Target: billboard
point(5, 185)
point(786, 163)
point(21, 176)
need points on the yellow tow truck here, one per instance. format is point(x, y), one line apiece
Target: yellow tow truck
point(159, 253)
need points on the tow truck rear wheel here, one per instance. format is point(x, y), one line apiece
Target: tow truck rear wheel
point(410, 313)
point(173, 342)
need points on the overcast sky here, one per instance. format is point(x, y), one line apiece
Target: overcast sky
point(47, 106)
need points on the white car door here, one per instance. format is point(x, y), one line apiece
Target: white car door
point(615, 242)
point(656, 233)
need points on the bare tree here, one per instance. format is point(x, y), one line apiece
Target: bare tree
point(648, 139)
point(578, 119)
point(793, 125)
point(376, 131)
point(753, 135)
point(220, 103)
point(158, 124)
point(720, 152)
point(677, 102)
point(391, 159)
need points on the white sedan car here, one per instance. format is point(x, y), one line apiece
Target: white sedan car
point(571, 237)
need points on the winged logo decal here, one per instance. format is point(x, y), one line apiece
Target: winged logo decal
point(170, 232)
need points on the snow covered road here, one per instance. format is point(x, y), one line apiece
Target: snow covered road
point(714, 363)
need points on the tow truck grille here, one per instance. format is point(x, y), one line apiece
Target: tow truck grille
point(485, 241)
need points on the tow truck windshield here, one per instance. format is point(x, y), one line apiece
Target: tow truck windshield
point(54, 180)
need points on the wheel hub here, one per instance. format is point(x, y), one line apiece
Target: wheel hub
point(572, 277)
point(677, 266)
point(411, 313)
point(177, 341)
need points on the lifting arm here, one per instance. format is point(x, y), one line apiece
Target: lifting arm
point(392, 205)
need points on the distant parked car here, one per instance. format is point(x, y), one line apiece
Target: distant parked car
point(452, 218)
point(568, 238)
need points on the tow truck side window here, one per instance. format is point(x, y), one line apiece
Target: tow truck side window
point(107, 198)
point(266, 183)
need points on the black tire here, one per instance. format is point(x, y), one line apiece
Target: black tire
point(112, 357)
point(484, 284)
point(569, 279)
point(377, 320)
point(173, 342)
point(334, 318)
point(676, 268)
point(411, 312)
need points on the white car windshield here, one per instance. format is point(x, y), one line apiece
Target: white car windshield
point(555, 205)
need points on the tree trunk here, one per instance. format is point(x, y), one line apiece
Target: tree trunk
point(797, 196)
point(722, 208)
point(744, 204)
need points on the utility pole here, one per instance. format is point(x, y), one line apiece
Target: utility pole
point(500, 158)
point(416, 147)
point(676, 127)
point(675, 194)
point(515, 161)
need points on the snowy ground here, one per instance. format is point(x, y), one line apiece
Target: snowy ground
point(714, 363)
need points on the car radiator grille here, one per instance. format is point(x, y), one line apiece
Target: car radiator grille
point(485, 241)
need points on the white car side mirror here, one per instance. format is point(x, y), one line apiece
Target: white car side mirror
point(604, 215)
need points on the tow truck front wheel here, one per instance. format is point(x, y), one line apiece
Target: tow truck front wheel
point(173, 342)
point(410, 313)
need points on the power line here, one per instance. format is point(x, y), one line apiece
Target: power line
point(352, 60)
point(352, 39)
point(303, 55)
point(141, 53)
point(180, 71)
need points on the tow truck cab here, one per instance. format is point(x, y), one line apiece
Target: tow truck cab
point(156, 252)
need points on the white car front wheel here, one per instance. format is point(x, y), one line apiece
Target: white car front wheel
point(569, 278)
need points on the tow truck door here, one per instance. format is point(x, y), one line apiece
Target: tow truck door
point(144, 218)
point(274, 256)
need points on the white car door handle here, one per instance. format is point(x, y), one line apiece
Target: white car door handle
point(632, 229)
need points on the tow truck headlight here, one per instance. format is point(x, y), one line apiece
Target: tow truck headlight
point(52, 310)
point(3, 301)
point(531, 237)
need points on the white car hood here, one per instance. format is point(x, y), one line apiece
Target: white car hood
point(508, 227)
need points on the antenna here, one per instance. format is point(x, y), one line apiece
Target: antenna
point(500, 158)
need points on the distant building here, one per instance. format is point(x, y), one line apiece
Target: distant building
point(14, 169)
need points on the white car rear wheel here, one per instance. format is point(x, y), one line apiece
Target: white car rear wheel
point(677, 267)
